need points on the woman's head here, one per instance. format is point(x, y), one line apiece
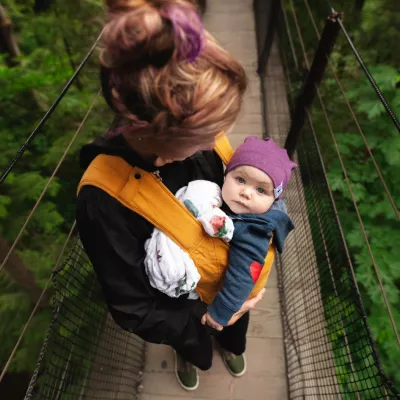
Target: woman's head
point(171, 82)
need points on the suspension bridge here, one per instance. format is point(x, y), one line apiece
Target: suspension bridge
point(309, 337)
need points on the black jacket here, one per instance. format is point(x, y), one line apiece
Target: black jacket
point(114, 237)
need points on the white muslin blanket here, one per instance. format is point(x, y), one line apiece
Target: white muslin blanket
point(169, 268)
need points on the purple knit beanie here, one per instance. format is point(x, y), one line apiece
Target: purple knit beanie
point(266, 156)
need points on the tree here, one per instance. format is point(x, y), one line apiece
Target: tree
point(15, 267)
point(380, 220)
point(373, 26)
point(8, 44)
point(28, 86)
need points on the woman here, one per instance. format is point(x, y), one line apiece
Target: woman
point(174, 89)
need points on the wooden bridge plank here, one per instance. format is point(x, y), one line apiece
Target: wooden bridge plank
point(232, 22)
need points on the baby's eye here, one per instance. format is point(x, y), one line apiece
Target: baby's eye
point(261, 190)
point(240, 179)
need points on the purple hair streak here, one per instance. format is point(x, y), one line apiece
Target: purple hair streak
point(189, 30)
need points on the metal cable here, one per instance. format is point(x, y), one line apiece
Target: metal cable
point(355, 119)
point(332, 200)
point(49, 181)
point(347, 253)
point(368, 74)
point(35, 308)
point(303, 48)
point(296, 62)
point(347, 180)
point(22, 149)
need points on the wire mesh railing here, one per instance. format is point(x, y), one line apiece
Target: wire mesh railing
point(85, 354)
point(330, 348)
point(7, 264)
point(332, 351)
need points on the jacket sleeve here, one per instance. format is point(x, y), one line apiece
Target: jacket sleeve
point(113, 237)
point(248, 249)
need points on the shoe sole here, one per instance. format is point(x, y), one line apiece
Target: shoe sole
point(231, 372)
point(189, 389)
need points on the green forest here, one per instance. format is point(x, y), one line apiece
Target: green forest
point(373, 26)
point(51, 38)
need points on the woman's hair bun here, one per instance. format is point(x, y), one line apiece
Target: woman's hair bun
point(126, 4)
point(143, 32)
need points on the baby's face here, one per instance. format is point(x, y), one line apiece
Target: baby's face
point(248, 190)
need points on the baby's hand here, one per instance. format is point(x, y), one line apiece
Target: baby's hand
point(207, 318)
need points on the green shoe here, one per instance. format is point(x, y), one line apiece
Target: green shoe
point(186, 373)
point(236, 364)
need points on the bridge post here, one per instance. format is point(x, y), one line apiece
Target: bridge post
point(314, 77)
point(266, 44)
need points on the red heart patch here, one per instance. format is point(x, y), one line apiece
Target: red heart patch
point(255, 270)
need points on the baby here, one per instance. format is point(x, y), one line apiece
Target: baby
point(251, 214)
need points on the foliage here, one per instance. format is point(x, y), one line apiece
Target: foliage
point(14, 312)
point(373, 28)
point(75, 334)
point(52, 44)
point(376, 211)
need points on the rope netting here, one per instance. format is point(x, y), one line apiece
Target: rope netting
point(85, 354)
point(330, 349)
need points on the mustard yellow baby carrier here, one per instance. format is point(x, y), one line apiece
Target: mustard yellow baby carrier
point(145, 194)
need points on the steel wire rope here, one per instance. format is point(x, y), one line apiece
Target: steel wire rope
point(35, 308)
point(366, 71)
point(351, 267)
point(326, 178)
point(355, 119)
point(347, 180)
point(49, 112)
point(285, 319)
point(49, 181)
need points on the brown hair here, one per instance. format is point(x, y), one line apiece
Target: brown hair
point(169, 78)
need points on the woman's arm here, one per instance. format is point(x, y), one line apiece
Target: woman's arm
point(113, 237)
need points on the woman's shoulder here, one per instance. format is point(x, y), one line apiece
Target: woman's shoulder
point(96, 203)
point(208, 166)
point(112, 146)
point(96, 207)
